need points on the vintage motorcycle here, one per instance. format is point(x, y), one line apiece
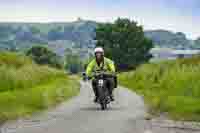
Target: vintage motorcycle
point(102, 90)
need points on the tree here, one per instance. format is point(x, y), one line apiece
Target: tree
point(124, 42)
point(34, 30)
point(44, 56)
point(73, 62)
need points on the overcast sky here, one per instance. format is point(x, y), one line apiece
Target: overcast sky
point(174, 15)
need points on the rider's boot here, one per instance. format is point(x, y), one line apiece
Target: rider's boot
point(95, 99)
point(112, 98)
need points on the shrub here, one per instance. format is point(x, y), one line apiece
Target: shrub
point(44, 56)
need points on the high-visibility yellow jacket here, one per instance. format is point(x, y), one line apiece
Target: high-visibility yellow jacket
point(108, 65)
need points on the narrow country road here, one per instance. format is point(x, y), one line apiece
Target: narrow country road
point(81, 115)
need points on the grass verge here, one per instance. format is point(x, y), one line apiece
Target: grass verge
point(26, 88)
point(172, 87)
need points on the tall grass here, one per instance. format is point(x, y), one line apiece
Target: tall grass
point(26, 76)
point(19, 72)
point(14, 59)
point(26, 87)
point(172, 87)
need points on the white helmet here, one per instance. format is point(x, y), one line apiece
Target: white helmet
point(98, 49)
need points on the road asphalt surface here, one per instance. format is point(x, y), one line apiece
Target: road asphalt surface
point(81, 115)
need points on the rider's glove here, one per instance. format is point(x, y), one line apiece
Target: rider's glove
point(89, 77)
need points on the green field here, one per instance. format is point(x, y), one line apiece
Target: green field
point(171, 87)
point(26, 87)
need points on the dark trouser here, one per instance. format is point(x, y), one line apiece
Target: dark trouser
point(110, 83)
point(116, 81)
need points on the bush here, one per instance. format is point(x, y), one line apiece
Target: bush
point(171, 87)
point(73, 63)
point(43, 56)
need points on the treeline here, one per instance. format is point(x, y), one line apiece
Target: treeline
point(44, 56)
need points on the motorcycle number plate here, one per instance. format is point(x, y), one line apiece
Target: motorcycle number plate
point(101, 82)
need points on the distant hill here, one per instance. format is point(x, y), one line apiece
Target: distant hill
point(164, 38)
point(197, 43)
point(20, 36)
point(75, 35)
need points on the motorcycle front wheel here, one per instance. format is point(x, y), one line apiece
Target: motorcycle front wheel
point(103, 106)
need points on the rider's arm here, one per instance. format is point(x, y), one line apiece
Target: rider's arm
point(90, 68)
point(111, 66)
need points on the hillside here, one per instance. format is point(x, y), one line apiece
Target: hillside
point(59, 36)
point(197, 43)
point(164, 38)
point(78, 34)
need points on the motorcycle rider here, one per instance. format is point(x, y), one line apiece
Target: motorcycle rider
point(101, 63)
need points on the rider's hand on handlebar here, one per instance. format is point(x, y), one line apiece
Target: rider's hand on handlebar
point(109, 74)
point(89, 77)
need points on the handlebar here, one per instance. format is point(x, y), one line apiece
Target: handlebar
point(104, 74)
